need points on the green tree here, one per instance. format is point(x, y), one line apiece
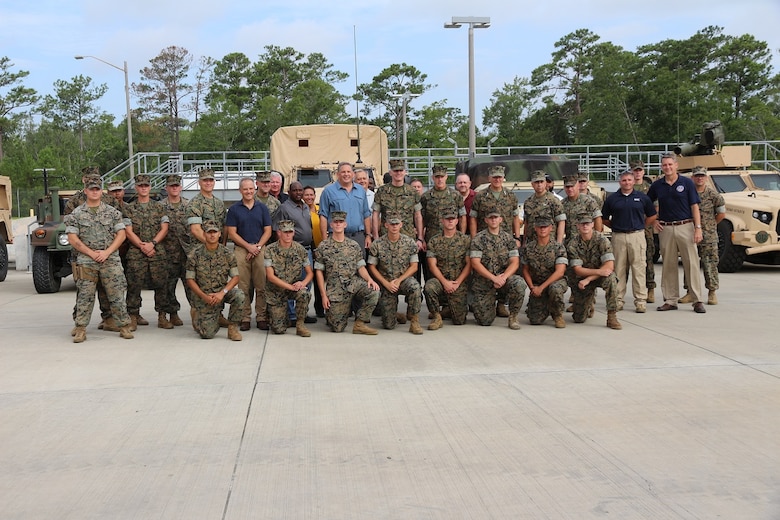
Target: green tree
point(509, 107)
point(73, 107)
point(13, 96)
point(433, 124)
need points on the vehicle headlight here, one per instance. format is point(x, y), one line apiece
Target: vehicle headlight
point(63, 239)
point(762, 216)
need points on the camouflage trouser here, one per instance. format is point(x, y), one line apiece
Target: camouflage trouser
point(109, 274)
point(207, 316)
point(276, 301)
point(550, 303)
point(485, 297)
point(338, 313)
point(105, 306)
point(388, 301)
point(650, 253)
point(583, 298)
point(146, 273)
point(708, 253)
point(437, 297)
point(175, 273)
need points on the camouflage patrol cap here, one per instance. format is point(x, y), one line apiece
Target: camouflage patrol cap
point(173, 180)
point(699, 170)
point(542, 222)
point(90, 170)
point(91, 177)
point(496, 171)
point(93, 181)
point(538, 175)
point(264, 176)
point(394, 218)
point(582, 176)
point(636, 165)
point(286, 226)
point(338, 216)
point(570, 180)
point(210, 225)
point(493, 213)
point(397, 164)
point(584, 219)
point(206, 173)
point(449, 212)
point(115, 186)
point(439, 171)
point(143, 180)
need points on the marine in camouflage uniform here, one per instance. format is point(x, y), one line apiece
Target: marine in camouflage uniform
point(495, 199)
point(544, 264)
point(438, 199)
point(494, 262)
point(96, 231)
point(392, 261)
point(543, 205)
point(641, 184)
point(591, 257)
point(177, 244)
point(204, 206)
point(147, 259)
point(212, 274)
point(578, 204)
point(448, 259)
point(399, 199)
point(263, 183)
point(341, 271)
point(285, 263)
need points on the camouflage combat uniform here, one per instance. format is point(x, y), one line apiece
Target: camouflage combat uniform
point(202, 209)
point(211, 270)
point(177, 244)
point(711, 204)
point(433, 202)
point(541, 262)
point(582, 205)
point(502, 201)
point(392, 259)
point(271, 202)
point(650, 241)
point(96, 228)
point(143, 271)
point(547, 206)
point(592, 254)
point(339, 262)
point(288, 264)
point(495, 252)
point(451, 255)
point(402, 200)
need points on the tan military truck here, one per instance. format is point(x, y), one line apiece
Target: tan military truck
point(310, 153)
point(751, 229)
point(6, 230)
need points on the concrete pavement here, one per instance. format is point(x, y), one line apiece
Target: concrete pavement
point(676, 416)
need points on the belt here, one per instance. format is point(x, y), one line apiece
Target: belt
point(676, 222)
point(630, 231)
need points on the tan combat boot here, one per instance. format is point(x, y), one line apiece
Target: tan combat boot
point(651, 296)
point(400, 318)
point(301, 330)
point(688, 298)
point(133, 322)
point(176, 320)
point(109, 325)
point(559, 323)
point(140, 320)
point(223, 322)
point(233, 333)
point(73, 330)
point(162, 321)
point(612, 321)
point(712, 299)
point(436, 324)
point(414, 324)
point(194, 318)
point(125, 332)
point(514, 322)
point(501, 311)
point(361, 328)
point(79, 334)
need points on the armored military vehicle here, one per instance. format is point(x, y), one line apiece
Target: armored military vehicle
point(751, 229)
point(6, 231)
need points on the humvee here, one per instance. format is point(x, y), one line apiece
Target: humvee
point(51, 249)
point(6, 230)
point(751, 229)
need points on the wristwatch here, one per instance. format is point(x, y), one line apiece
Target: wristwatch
point(154, 242)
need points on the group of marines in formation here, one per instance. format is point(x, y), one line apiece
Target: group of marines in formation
point(367, 255)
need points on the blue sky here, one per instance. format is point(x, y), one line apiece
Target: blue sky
point(42, 36)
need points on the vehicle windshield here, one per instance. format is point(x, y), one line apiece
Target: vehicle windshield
point(766, 181)
point(728, 183)
point(315, 178)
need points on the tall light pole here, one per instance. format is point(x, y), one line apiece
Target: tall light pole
point(129, 115)
point(474, 22)
point(405, 97)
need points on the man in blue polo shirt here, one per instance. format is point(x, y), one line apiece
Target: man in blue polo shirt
point(347, 195)
point(627, 212)
point(679, 230)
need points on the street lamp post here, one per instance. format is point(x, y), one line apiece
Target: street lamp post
point(127, 102)
point(405, 97)
point(474, 22)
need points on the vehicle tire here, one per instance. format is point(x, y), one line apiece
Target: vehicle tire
point(3, 259)
point(43, 269)
point(731, 256)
